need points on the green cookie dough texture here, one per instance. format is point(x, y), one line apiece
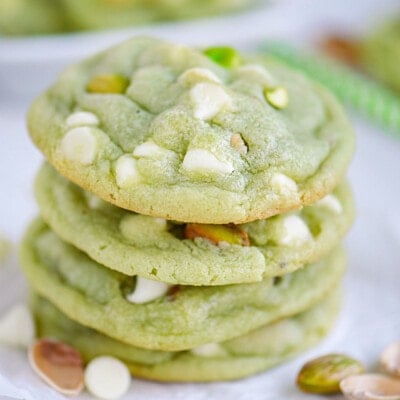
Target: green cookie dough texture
point(155, 248)
point(188, 317)
point(380, 53)
point(190, 140)
point(258, 350)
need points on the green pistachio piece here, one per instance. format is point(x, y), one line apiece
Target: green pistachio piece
point(218, 234)
point(277, 97)
point(107, 83)
point(228, 57)
point(323, 375)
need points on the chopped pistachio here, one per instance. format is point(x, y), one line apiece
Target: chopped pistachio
point(277, 97)
point(217, 234)
point(323, 374)
point(238, 143)
point(107, 83)
point(226, 56)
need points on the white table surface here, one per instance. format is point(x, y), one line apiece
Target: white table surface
point(371, 312)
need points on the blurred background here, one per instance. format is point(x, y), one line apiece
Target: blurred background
point(37, 40)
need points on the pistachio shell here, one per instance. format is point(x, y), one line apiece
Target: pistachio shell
point(228, 57)
point(218, 234)
point(390, 359)
point(107, 83)
point(58, 364)
point(324, 374)
point(370, 387)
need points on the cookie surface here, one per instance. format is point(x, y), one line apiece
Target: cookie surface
point(163, 130)
point(187, 317)
point(380, 53)
point(235, 358)
point(156, 249)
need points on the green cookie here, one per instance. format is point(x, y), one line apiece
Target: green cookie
point(235, 358)
point(163, 130)
point(186, 317)
point(156, 249)
point(380, 53)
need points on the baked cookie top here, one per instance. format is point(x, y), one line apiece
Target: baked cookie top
point(179, 318)
point(232, 359)
point(196, 136)
point(380, 53)
point(192, 254)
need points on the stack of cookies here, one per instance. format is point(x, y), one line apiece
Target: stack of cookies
point(192, 210)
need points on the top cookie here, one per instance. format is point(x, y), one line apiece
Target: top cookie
point(164, 130)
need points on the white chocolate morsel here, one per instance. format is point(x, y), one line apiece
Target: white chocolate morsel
point(80, 145)
point(258, 72)
point(126, 172)
point(195, 75)
point(208, 350)
point(161, 222)
point(82, 118)
point(209, 99)
point(148, 149)
point(147, 290)
point(296, 231)
point(17, 328)
point(107, 378)
point(331, 202)
point(94, 202)
point(203, 161)
point(283, 184)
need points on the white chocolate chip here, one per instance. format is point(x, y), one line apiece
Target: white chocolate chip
point(204, 161)
point(148, 149)
point(195, 75)
point(80, 145)
point(94, 202)
point(209, 99)
point(258, 72)
point(283, 184)
point(107, 378)
point(161, 222)
point(126, 171)
point(17, 328)
point(296, 231)
point(147, 290)
point(331, 202)
point(208, 350)
point(81, 118)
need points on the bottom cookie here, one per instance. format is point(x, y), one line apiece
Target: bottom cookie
point(232, 359)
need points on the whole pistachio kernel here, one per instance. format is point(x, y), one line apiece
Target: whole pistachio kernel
point(277, 97)
point(323, 374)
point(218, 234)
point(107, 83)
point(226, 56)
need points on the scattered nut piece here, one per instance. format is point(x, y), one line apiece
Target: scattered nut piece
point(147, 290)
point(370, 387)
point(126, 171)
point(17, 328)
point(108, 83)
point(324, 374)
point(228, 57)
point(390, 359)
point(238, 143)
point(277, 97)
point(81, 118)
point(107, 378)
point(217, 234)
point(80, 145)
point(59, 365)
point(208, 350)
point(209, 99)
point(341, 48)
